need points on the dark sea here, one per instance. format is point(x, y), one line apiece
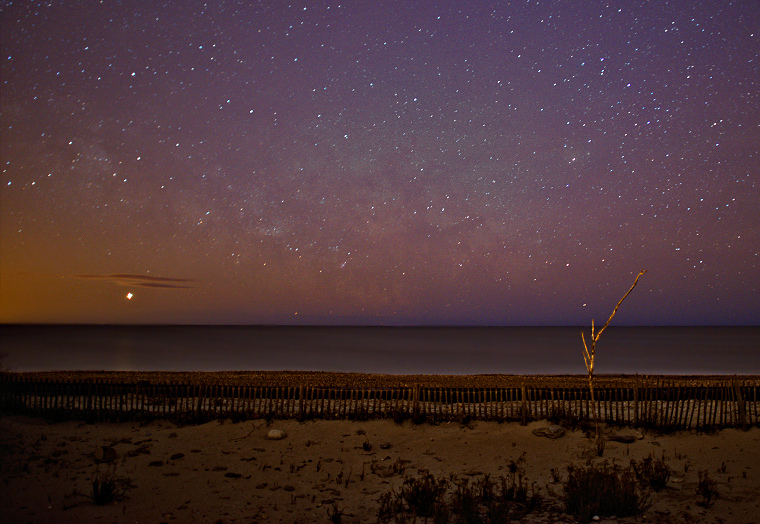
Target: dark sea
point(397, 350)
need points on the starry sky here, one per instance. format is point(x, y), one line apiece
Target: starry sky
point(380, 162)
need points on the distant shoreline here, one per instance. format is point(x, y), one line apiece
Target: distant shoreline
point(344, 379)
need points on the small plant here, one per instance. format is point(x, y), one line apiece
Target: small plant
point(652, 473)
point(390, 506)
point(514, 466)
point(418, 497)
point(600, 443)
point(603, 491)
point(104, 490)
point(485, 489)
point(707, 490)
point(515, 490)
point(464, 502)
point(334, 514)
point(399, 416)
point(421, 495)
point(557, 415)
point(556, 476)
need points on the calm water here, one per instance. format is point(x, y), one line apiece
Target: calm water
point(532, 350)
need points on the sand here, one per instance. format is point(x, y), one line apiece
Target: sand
point(231, 472)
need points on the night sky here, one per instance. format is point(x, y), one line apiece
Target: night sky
point(377, 162)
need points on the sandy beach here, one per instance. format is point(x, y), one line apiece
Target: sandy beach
point(232, 472)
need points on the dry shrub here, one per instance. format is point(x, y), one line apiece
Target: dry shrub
point(652, 473)
point(104, 490)
point(422, 495)
point(472, 502)
point(598, 489)
point(707, 490)
point(335, 514)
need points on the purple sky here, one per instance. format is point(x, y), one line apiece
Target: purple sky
point(380, 162)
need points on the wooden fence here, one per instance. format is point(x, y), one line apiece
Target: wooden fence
point(663, 404)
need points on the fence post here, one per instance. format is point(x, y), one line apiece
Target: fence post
point(740, 406)
point(723, 400)
point(301, 414)
point(201, 394)
point(692, 399)
point(88, 402)
point(636, 403)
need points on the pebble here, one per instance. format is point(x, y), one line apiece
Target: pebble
point(276, 434)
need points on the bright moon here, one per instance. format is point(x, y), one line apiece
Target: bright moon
point(129, 296)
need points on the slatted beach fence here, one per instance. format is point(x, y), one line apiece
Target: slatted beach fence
point(663, 402)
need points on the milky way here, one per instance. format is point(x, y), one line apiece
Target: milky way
point(380, 162)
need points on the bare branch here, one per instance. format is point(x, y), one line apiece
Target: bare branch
point(616, 307)
point(588, 358)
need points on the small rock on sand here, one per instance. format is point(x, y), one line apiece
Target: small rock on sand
point(550, 432)
point(276, 434)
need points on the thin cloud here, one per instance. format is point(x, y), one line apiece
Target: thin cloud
point(128, 280)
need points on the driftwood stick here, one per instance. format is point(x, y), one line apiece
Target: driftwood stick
point(616, 307)
point(590, 353)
